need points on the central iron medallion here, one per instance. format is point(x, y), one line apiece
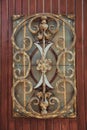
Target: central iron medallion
point(44, 83)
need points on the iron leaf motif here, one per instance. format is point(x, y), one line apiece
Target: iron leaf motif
point(44, 83)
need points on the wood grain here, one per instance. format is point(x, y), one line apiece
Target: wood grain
point(80, 92)
point(18, 7)
point(71, 6)
point(0, 58)
point(55, 6)
point(26, 124)
point(4, 83)
point(85, 53)
point(49, 124)
point(41, 124)
point(47, 6)
point(11, 11)
point(63, 6)
point(85, 62)
point(73, 124)
point(33, 124)
point(39, 6)
point(28, 7)
point(80, 66)
point(56, 124)
point(19, 124)
point(78, 14)
point(32, 6)
point(25, 7)
point(65, 124)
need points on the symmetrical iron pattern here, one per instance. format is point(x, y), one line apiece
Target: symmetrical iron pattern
point(44, 83)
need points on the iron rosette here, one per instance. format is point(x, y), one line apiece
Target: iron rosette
point(44, 82)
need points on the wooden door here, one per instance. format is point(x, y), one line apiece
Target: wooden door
point(28, 7)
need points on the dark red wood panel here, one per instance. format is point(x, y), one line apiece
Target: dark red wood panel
point(4, 83)
point(11, 11)
point(7, 9)
point(18, 6)
point(85, 52)
point(49, 124)
point(25, 7)
point(33, 124)
point(71, 6)
point(85, 24)
point(26, 124)
point(80, 94)
point(41, 124)
point(32, 6)
point(73, 124)
point(78, 14)
point(65, 124)
point(63, 7)
point(39, 6)
point(19, 124)
point(80, 66)
point(55, 6)
point(0, 57)
point(47, 4)
point(56, 124)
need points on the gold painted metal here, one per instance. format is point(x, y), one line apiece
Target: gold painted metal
point(44, 82)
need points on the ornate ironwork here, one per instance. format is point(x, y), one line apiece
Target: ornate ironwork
point(44, 83)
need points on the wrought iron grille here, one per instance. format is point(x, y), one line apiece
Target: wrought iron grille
point(44, 82)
